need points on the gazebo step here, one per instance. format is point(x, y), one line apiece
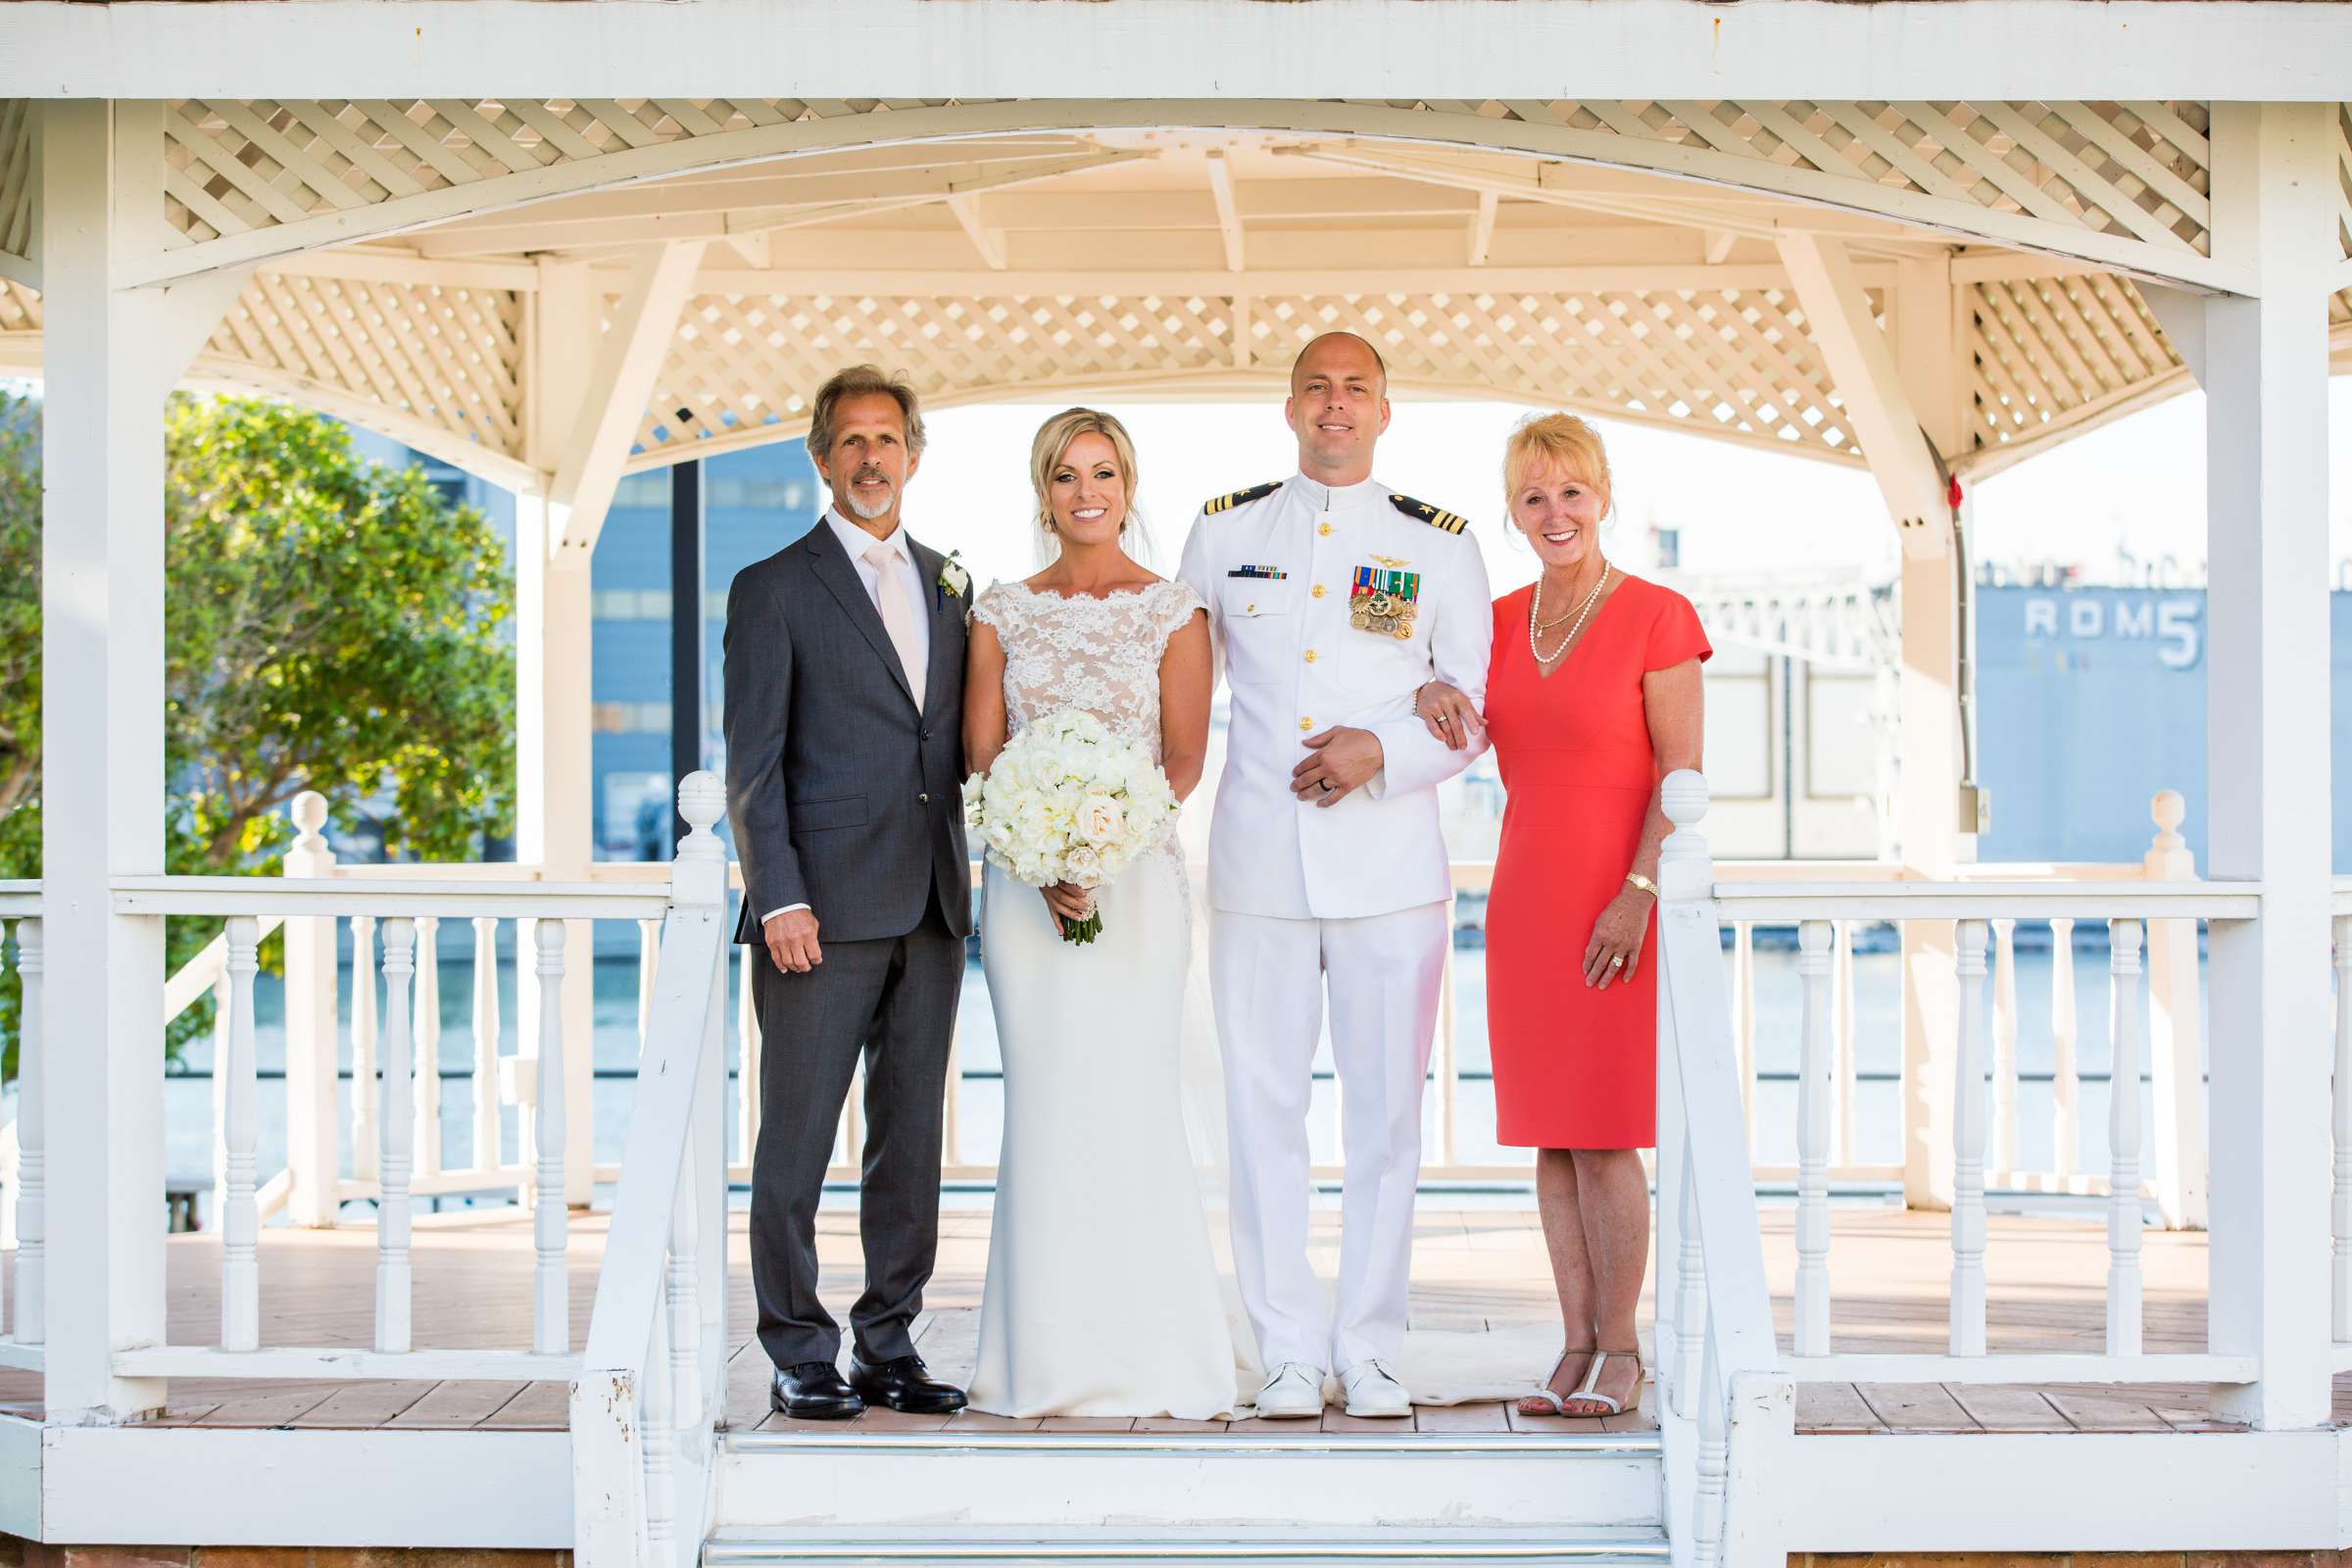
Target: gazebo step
point(1313, 1487)
point(1224, 1547)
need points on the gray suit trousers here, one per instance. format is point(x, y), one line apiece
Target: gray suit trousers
point(891, 1000)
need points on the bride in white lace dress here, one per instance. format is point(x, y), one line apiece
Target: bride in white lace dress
point(1103, 1295)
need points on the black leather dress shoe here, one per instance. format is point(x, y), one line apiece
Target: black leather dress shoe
point(813, 1390)
point(905, 1383)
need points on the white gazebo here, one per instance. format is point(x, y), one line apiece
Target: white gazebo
point(1984, 227)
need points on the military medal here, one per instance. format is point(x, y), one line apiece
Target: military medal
point(1383, 601)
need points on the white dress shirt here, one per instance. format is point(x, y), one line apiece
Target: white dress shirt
point(856, 542)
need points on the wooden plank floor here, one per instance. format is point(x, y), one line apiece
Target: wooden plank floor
point(1474, 1270)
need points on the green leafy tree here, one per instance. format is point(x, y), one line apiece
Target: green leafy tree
point(331, 624)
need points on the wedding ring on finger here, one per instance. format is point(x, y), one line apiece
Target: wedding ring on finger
point(1618, 961)
point(1324, 785)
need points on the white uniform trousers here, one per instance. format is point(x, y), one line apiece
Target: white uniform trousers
point(1268, 979)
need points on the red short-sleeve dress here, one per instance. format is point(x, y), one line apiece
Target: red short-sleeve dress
point(1575, 1066)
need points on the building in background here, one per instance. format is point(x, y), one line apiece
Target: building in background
point(755, 503)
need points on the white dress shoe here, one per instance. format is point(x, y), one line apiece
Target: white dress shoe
point(1373, 1390)
point(1293, 1389)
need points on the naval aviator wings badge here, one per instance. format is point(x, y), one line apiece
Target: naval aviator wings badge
point(1383, 601)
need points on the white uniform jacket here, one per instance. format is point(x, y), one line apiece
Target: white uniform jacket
point(1277, 572)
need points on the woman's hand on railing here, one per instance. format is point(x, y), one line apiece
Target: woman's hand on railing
point(1449, 715)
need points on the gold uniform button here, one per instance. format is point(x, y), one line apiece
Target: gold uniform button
point(1310, 655)
point(1306, 723)
point(1250, 609)
point(1318, 590)
point(1323, 528)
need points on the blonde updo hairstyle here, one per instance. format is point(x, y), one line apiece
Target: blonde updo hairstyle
point(1054, 439)
point(1556, 440)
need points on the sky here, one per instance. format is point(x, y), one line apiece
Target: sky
point(2136, 485)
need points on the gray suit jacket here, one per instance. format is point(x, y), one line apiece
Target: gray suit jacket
point(842, 796)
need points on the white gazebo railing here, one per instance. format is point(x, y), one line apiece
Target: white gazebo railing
point(398, 907)
point(23, 1143)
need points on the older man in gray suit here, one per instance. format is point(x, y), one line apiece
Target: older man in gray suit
point(845, 767)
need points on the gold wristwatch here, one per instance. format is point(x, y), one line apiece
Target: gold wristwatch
point(1643, 882)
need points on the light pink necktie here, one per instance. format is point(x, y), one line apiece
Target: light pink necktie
point(898, 618)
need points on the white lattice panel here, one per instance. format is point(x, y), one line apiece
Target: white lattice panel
point(2343, 180)
point(1735, 363)
point(237, 165)
point(742, 362)
point(20, 309)
point(445, 357)
point(2048, 352)
point(16, 177)
point(2048, 171)
point(2140, 171)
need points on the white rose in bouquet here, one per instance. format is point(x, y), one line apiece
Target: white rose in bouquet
point(1100, 819)
point(1067, 801)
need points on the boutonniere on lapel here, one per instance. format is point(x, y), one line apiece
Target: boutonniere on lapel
point(954, 582)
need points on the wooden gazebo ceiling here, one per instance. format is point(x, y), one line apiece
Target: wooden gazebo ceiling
point(1192, 263)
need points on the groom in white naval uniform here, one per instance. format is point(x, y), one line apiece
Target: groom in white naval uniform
point(1332, 600)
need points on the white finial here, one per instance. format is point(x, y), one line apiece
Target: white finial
point(310, 815)
point(2169, 811)
point(1684, 796)
point(701, 802)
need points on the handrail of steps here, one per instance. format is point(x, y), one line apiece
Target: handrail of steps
point(652, 1383)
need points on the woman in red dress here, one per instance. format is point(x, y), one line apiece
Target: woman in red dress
point(1593, 698)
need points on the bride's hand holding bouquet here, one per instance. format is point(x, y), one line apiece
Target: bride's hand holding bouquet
point(1065, 807)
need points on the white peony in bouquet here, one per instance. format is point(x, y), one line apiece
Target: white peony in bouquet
point(1067, 801)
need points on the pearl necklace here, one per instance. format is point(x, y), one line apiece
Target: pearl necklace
point(1534, 609)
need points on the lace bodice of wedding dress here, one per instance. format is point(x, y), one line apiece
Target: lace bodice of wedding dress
point(1101, 656)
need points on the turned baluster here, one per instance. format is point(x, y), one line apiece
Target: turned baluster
point(747, 1031)
point(1814, 1090)
point(1848, 1083)
point(551, 1306)
point(2004, 1046)
point(223, 1019)
point(659, 1426)
point(363, 1138)
point(2127, 1029)
point(1968, 1152)
point(396, 1134)
point(32, 1247)
point(1743, 1018)
point(487, 1154)
point(1714, 1461)
point(240, 1219)
point(429, 1045)
point(648, 961)
point(2066, 1081)
point(1690, 1289)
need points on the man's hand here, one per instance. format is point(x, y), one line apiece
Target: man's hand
point(1337, 761)
point(791, 941)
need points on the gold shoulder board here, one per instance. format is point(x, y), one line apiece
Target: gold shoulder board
point(1451, 522)
point(1240, 498)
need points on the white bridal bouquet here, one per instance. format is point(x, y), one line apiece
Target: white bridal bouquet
point(1067, 801)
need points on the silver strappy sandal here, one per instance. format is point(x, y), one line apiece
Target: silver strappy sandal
point(1588, 1390)
point(1544, 1394)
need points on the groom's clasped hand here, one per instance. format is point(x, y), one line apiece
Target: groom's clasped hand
point(857, 701)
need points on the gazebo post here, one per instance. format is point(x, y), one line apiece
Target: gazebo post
point(110, 359)
point(2264, 364)
point(589, 382)
point(1895, 410)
